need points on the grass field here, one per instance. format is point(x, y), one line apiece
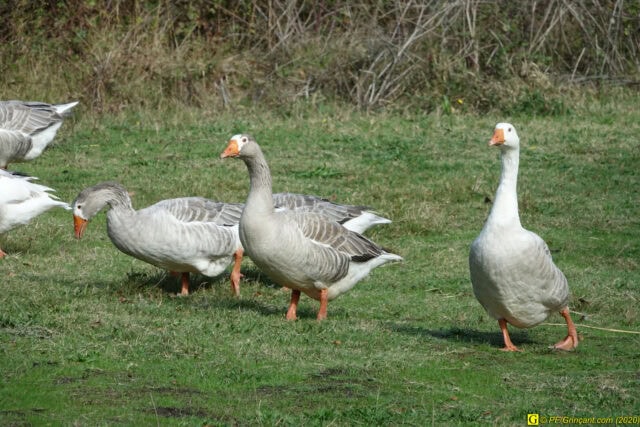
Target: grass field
point(90, 336)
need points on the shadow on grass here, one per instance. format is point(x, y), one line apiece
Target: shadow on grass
point(249, 304)
point(167, 282)
point(464, 335)
point(253, 282)
point(252, 285)
point(257, 281)
point(171, 283)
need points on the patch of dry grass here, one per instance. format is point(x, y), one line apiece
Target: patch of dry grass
point(440, 56)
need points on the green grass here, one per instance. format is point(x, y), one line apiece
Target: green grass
point(90, 336)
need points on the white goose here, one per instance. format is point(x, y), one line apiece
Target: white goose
point(300, 250)
point(513, 275)
point(21, 200)
point(184, 235)
point(26, 128)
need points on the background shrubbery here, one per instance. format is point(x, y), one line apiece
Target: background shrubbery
point(440, 54)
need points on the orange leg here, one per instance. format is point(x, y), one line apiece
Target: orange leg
point(2, 253)
point(508, 345)
point(324, 300)
point(293, 305)
point(235, 273)
point(571, 341)
point(185, 284)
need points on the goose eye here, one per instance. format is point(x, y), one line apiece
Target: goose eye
point(244, 139)
point(79, 206)
point(509, 130)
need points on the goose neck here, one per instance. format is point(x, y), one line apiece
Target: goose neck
point(505, 205)
point(260, 198)
point(119, 200)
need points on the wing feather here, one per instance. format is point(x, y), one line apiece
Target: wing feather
point(199, 209)
point(315, 227)
point(28, 117)
point(310, 203)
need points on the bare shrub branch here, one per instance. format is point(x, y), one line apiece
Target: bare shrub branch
point(367, 52)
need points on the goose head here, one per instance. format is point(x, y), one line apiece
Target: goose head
point(241, 145)
point(90, 201)
point(80, 219)
point(505, 135)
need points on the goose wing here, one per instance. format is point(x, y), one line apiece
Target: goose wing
point(325, 207)
point(27, 118)
point(331, 234)
point(318, 250)
point(538, 264)
point(199, 209)
point(357, 218)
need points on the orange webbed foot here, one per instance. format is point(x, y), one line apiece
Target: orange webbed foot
point(566, 344)
point(291, 316)
point(510, 348)
point(508, 345)
point(571, 341)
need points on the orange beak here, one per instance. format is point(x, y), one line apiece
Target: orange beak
point(79, 225)
point(231, 150)
point(498, 137)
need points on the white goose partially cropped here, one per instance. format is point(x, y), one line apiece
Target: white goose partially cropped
point(303, 251)
point(183, 235)
point(513, 275)
point(27, 128)
point(22, 200)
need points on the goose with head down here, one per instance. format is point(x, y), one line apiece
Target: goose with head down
point(22, 200)
point(512, 272)
point(183, 235)
point(27, 128)
point(303, 251)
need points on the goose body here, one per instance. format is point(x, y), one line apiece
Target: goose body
point(183, 235)
point(22, 200)
point(513, 275)
point(303, 251)
point(27, 128)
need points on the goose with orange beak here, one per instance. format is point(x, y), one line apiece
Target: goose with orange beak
point(513, 275)
point(183, 235)
point(303, 251)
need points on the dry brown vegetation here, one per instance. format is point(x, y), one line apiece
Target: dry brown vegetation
point(437, 54)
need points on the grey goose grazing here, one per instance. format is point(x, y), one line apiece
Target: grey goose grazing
point(183, 235)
